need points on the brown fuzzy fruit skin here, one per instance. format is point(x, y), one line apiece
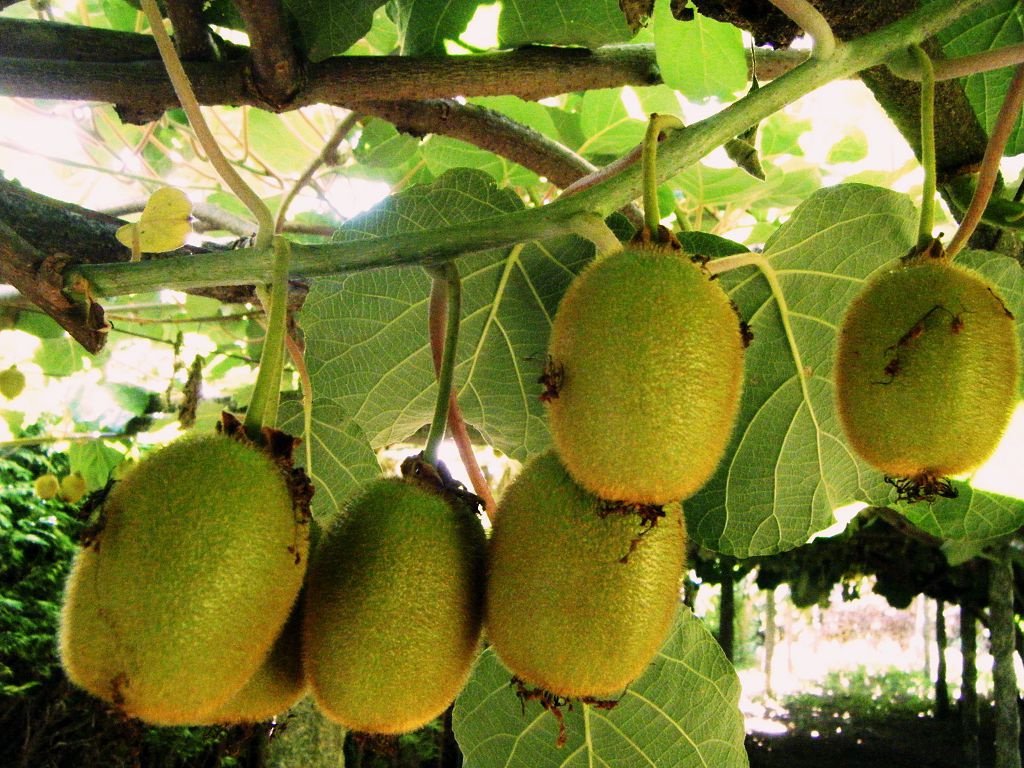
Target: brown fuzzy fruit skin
point(650, 358)
point(579, 600)
point(177, 602)
point(277, 685)
point(394, 608)
point(926, 371)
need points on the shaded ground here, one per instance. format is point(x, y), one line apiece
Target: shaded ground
point(893, 740)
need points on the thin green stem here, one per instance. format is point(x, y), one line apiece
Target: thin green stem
point(649, 165)
point(183, 89)
point(989, 170)
point(446, 280)
point(927, 144)
point(262, 411)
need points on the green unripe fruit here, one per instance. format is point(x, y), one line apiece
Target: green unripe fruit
point(647, 360)
point(12, 382)
point(277, 685)
point(73, 488)
point(580, 596)
point(393, 609)
point(177, 602)
point(47, 486)
point(926, 371)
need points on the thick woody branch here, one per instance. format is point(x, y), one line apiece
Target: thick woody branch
point(276, 69)
point(39, 227)
point(37, 276)
point(491, 130)
point(192, 37)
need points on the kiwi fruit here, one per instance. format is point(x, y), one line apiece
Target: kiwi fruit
point(46, 486)
point(394, 606)
point(644, 376)
point(926, 370)
point(581, 594)
point(12, 382)
point(73, 487)
point(277, 685)
point(178, 598)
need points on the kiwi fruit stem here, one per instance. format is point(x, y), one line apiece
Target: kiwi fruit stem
point(648, 159)
point(446, 289)
point(262, 411)
point(927, 143)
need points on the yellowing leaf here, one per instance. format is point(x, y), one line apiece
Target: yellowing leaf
point(164, 224)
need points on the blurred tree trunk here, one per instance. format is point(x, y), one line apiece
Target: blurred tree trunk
point(941, 688)
point(969, 684)
point(1004, 677)
point(769, 640)
point(727, 610)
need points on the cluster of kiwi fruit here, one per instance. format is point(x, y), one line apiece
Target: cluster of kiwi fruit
point(176, 611)
point(642, 383)
point(191, 602)
point(926, 372)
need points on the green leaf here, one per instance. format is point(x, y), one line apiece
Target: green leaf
point(443, 153)
point(849, 149)
point(329, 27)
point(342, 459)
point(703, 185)
point(610, 128)
point(59, 356)
point(682, 712)
point(702, 58)
point(994, 25)
point(424, 25)
point(95, 459)
point(120, 15)
point(367, 332)
point(789, 466)
point(780, 135)
point(974, 516)
point(273, 138)
point(382, 146)
point(706, 244)
point(589, 23)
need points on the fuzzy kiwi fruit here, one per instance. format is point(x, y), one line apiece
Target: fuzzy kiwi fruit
point(177, 600)
point(277, 685)
point(393, 608)
point(644, 376)
point(926, 370)
point(581, 594)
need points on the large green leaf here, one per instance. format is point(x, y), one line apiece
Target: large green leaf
point(609, 127)
point(702, 58)
point(789, 465)
point(424, 25)
point(683, 712)
point(367, 332)
point(973, 516)
point(329, 27)
point(995, 25)
point(336, 454)
point(589, 23)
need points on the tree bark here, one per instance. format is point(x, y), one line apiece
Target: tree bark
point(941, 687)
point(969, 721)
point(1004, 677)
